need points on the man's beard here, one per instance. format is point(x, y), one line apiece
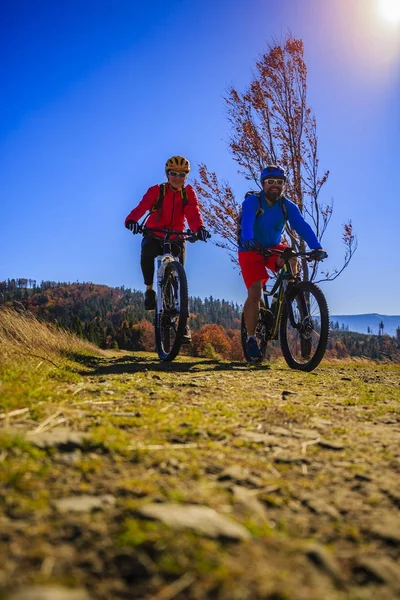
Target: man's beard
point(273, 196)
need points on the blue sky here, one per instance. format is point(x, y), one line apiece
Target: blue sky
point(96, 94)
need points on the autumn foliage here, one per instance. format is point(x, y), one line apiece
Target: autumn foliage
point(113, 318)
point(210, 340)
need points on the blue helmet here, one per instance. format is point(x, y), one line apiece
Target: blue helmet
point(272, 171)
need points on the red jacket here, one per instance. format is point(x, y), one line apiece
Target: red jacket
point(172, 213)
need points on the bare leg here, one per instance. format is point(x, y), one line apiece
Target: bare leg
point(251, 307)
point(294, 263)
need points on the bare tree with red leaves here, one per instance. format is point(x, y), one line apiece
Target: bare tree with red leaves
point(272, 123)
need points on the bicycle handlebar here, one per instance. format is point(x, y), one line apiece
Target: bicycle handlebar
point(289, 253)
point(188, 234)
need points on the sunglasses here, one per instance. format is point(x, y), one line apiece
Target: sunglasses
point(279, 182)
point(177, 174)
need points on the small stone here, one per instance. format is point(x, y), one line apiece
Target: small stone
point(320, 557)
point(42, 592)
point(63, 439)
point(387, 528)
point(281, 431)
point(392, 491)
point(320, 422)
point(249, 500)
point(258, 438)
point(320, 507)
point(378, 569)
point(310, 434)
point(201, 519)
point(239, 475)
point(84, 504)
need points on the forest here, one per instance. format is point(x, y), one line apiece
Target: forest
point(114, 318)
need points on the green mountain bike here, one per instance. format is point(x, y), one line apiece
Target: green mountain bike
point(298, 313)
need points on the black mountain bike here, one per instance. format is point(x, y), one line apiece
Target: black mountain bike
point(172, 304)
point(299, 313)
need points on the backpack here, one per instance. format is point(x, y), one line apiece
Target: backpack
point(161, 196)
point(259, 212)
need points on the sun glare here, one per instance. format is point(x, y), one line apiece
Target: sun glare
point(389, 10)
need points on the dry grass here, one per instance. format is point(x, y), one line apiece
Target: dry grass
point(23, 338)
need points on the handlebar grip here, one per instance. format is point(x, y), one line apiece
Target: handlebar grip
point(317, 255)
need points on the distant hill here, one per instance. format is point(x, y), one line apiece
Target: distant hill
point(115, 318)
point(104, 315)
point(361, 323)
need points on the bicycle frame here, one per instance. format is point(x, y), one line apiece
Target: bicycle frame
point(167, 257)
point(284, 277)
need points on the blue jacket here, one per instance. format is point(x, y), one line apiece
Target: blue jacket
point(267, 228)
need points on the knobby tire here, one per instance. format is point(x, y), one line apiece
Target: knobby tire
point(170, 323)
point(304, 348)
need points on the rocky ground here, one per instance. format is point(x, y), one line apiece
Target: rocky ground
point(203, 479)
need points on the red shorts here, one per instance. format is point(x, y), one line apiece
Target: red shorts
point(254, 265)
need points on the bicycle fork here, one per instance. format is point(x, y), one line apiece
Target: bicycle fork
point(162, 262)
point(289, 306)
point(303, 310)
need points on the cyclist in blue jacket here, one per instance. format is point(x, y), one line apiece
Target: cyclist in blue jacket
point(263, 228)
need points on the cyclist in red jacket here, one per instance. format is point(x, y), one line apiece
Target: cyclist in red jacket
point(179, 203)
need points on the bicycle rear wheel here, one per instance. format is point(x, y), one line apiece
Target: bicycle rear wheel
point(304, 341)
point(261, 337)
point(170, 321)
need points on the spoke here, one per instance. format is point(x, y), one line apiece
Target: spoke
point(170, 329)
point(303, 340)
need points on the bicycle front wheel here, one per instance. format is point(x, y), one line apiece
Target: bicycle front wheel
point(171, 319)
point(304, 326)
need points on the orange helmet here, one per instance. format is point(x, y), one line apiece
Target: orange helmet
point(177, 163)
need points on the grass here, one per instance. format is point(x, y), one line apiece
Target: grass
point(24, 338)
point(34, 356)
point(182, 433)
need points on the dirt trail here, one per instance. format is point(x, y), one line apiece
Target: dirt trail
point(204, 479)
